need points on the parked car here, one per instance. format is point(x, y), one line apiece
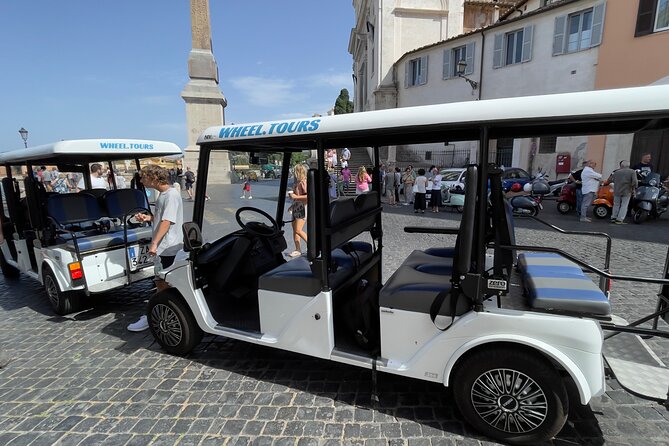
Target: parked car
point(514, 175)
point(453, 178)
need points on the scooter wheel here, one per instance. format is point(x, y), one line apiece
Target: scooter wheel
point(460, 209)
point(601, 211)
point(563, 207)
point(640, 216)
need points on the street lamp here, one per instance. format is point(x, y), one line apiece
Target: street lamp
point(462, 65)
point(24, 135)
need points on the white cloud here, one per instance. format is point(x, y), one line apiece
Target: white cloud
point(263, 92)
point(339, 80)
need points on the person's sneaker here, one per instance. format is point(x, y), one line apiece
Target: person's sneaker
point(585, 219)
point(618, 222)
point(242, 196)
point(250, 197)
point(141, 325)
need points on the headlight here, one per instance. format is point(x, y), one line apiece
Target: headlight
point(653, 182)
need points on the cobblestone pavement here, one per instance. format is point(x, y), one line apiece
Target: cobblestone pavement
point(84, 379)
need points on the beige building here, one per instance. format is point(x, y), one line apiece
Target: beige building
point(634, 52)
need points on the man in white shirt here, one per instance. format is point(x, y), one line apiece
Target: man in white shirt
point(591, 181)
point(97, 182)
point(345, 156)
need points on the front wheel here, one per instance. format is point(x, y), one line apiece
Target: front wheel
point(62, 302)
point(511, 395)
point(640, 216)
point(564, 207)
point(460, 209)
point(601, 211)
point(172, 323)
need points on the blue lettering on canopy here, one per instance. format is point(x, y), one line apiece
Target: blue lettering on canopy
point(122, 145)
point(241, 131)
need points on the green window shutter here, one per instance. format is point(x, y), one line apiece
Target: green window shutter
point(558, 35)
point(528, 33)
point(497, 52)
point(597, 25)
point(645, 19)
point(469, 57)
point(447, 64)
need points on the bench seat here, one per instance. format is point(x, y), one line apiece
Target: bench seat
point(110, 239)
point(418, 281)
point(296, 276)
point(555, 283)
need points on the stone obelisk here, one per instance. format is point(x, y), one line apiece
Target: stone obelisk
point(205, 102)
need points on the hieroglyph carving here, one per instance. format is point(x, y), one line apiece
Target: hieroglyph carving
point(200, 25)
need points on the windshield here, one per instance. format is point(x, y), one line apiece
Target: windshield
point(450, 175)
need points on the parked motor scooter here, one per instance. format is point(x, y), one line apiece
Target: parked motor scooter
point(603, 204)
point(651, 198)
point(454, 197)
point(555, 185)
point(528, 200)
point(566, 202)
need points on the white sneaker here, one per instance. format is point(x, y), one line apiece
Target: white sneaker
point(141, 325)
point(242, 196)
point(250, 197)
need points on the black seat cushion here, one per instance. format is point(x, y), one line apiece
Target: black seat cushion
point(121, 202)
point(74, 208)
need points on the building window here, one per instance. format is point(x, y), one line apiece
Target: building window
point(416, 72)
point(547, 144)
point(513, 47)
point(653, 16)
point(454, 55)
point(578, 31)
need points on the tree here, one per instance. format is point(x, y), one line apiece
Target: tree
point(343, 104)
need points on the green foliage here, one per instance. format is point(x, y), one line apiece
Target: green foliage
point(343, 104)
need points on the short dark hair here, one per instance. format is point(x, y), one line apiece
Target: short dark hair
point(421, 171)
point(96, 167)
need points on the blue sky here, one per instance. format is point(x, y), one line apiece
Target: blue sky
point(91, 69)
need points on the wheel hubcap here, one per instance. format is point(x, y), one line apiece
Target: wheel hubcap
point(51, 291)
point(166, 325)
point(509, 400)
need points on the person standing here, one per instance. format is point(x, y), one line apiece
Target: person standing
point(189, 179)
point(167, 237)
point(362, 180)
point(591, 181)
point(97, 182)
point(391, 186)
point(624, 183)
point(246, 188)
point(298, 208)
point(575, 177)
point(645, 165)
point(420, 189)
point(346, 177)
point(435, 193)
point(408, 180)
point(345, 157)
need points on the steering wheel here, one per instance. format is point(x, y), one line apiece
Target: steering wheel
point(255, 227)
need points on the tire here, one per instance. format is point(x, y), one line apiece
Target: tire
point(460, 209)
point(534, 212)
point(563, 207)
point(601, 211)
point(62, 302)
point(172, 324)
point(9, 271)
point(640, 216)
point(498, 412)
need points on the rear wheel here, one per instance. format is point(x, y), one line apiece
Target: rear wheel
point(640, 216)
point(564, 207)
point(460, 209)
point(62, 302)
point(601, 211)
point(511, 395)
point(172, 323)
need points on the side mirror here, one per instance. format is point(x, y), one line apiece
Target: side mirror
point(192, 236)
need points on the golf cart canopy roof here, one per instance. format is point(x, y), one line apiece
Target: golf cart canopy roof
point(593, 112)
point(90, 150)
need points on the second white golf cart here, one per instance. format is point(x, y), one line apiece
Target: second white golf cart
point(443, 315)
point(73, 236)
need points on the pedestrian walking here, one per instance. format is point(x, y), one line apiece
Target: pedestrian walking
point(299, 207)
point(246, 188)
point(624, 184)
point(591, 181)
point(166, 238)
point(362, 180)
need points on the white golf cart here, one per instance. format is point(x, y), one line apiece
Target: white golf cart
point(75, 238)
point(444, 315)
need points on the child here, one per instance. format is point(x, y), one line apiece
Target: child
point(246, 188)
point(346, 177)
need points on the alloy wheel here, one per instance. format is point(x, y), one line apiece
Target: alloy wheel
point(509, 400)
point(52, 290)
point(166, 325)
